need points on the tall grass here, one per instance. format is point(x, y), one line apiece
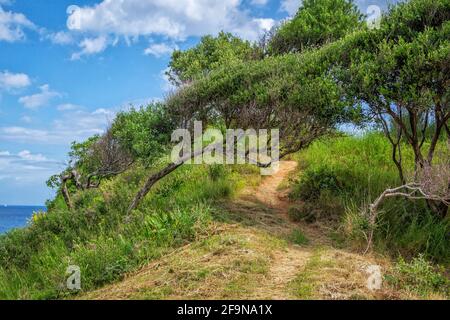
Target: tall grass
point(101, 239)
point(347, 173)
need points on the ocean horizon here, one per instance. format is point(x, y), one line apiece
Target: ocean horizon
point(16, 216)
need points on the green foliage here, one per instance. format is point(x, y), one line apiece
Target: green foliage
point(81, 154)
point(419, 276)
point(317, 22)
point(217, 171)
point(144, 132)
point(360, 168)
point(101, 239)
point(314, 181)
point(211, 53)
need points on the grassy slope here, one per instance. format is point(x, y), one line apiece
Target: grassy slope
point(193, 238)
point(252, 251)
point(104, 242)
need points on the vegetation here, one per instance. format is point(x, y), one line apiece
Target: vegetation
point(419, 276)
point(121, 203)
point(317, 23)
point(341, 176)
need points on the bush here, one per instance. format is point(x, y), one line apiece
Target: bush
point(303, 212)
point(314, 181)
point(217, 171)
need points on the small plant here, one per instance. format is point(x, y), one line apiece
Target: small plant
point(299, 238)
point(419, 276)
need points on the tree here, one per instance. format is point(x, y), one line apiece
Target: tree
point(145, 132)
point(316, 23)
point(292, 93)
point(98, 158)
point(404, 80)
point(209, 54)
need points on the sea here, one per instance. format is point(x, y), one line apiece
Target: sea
point(16, 216)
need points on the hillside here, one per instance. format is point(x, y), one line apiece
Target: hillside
point(172, 201)
point(257, 254)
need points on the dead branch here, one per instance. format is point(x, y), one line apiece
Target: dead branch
point(434, 185)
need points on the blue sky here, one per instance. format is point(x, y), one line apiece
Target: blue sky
point(67, 66)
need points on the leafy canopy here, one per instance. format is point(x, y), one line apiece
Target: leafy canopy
point(317, 22)
point(209, 54)
point(144, 132)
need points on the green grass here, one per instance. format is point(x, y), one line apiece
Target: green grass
point(341, 176)
point(297, 237)
point(419, 276)
point(101, 239)
point(304, 285)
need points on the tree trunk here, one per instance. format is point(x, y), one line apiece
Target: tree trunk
point(149, 184)
point(66, 195)
point(167, 170)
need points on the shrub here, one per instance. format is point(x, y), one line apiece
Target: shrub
point(303, 212)
point(314, 181)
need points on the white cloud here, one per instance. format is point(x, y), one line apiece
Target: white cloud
point(166, 86)
point(259, 2)
point(12, 26)
point(75, 125)
point(160, 49)
point(91, 46)
point(27, 155)
point(290, 6)
point(60, 37)
point(27, 167)
point(39, 99)
point(67, 107)
point(26, 119)
point(173, 19)
point(11, 81)
point(265, 24)
point(23, 135)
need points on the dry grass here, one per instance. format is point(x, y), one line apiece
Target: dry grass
point(225, 266)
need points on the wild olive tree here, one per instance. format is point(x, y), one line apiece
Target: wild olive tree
point(400, 73)
point(136, 135)
point(144, 132)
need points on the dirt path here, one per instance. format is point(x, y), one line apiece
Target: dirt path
point(267, 192)
point(286, 263)
point(333, 273)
